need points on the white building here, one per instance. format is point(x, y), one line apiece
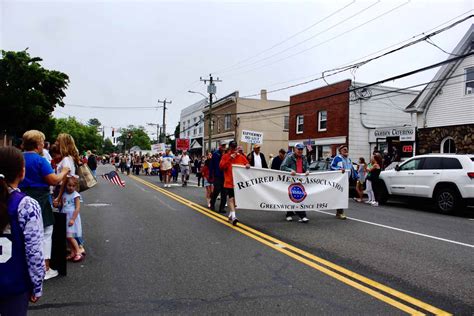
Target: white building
point(192, 126)
point(444, 110)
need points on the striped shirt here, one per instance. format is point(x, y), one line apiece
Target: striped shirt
point(31, 223)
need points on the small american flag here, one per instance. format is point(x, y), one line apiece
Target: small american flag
point(113, 177)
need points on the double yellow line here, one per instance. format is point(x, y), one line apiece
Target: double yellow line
point(366, 285)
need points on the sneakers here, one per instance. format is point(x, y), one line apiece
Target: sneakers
point(50, 274)
point(340, 216)
point(374, 203)
point(368, 202)
point(233, 220)
point(289, 218)
point(303, 220)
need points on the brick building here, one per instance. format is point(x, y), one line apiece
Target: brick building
point(330, 116)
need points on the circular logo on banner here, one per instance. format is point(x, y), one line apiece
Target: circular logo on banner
point(296, 192)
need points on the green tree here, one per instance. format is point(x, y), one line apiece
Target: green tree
point(94, 122)
point(108, 147)
point(28, 92)
point(134, 136)
point(86, 137)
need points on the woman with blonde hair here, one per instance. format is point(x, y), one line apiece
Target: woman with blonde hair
point(39, 175)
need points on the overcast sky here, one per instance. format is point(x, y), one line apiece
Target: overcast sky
point(132, 53)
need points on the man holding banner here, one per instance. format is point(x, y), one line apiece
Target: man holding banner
point(296, 163)
point(343, 162)
point(232, 157)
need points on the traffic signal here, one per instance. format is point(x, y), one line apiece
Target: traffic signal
point(113, 132)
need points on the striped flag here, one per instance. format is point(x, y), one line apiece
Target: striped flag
point(113, 177)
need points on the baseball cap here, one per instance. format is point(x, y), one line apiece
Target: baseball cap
point(233, 144)
point(256, 146)
point(299, 146)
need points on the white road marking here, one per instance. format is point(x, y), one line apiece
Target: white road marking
point(403, 230)
point(97, 204)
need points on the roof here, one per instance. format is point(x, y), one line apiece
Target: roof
point(194, 107)
point(427, 95)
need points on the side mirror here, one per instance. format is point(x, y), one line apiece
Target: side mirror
point(397, 168)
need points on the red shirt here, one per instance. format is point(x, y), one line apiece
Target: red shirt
point(299, 164)
point(226, 166)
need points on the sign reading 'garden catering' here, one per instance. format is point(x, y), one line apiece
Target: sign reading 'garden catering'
point(272, 190)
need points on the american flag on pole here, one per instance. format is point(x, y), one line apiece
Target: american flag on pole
point(113, 177)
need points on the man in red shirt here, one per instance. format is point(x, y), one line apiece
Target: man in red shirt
point(232, 157)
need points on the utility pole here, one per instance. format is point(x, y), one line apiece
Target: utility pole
point(164, 119)
point(211, 89)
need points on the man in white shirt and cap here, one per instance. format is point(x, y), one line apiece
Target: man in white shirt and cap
point(256, 158)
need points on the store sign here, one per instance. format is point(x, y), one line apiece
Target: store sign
point(251, 137)
point(404, 133)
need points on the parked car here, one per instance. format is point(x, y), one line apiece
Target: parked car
point(320, 165)
point(447, 179)
point(325, 165)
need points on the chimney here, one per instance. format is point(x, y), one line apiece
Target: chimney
point(263, 94)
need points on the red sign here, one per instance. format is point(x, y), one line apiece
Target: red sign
point(407, 149)
point(182, 143)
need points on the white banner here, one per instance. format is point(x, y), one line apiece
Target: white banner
point(273, 190)
point(251, 137)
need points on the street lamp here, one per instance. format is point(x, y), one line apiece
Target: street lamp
point(205, 96)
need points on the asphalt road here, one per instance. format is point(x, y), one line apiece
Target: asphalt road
point(155, 251)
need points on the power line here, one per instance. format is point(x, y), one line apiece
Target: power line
point(114, 107)
point(296, 34)
point(371, 84)
point(372, 98)
point(338, 70)
point(380, 50)
point(332, 38)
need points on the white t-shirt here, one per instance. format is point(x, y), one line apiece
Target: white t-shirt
point(166, 162)
point(67, 162)
point(257, 160)
point(184, 160)
point(46, 155)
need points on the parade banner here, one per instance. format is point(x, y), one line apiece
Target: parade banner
point(160, 148)
point(182, 144)
point(251, 137)
point(273, 190)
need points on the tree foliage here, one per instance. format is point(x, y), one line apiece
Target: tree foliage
point(28, 92)
point(134, 136)
point(108, 146)
point(86, 137)
point(94, 122)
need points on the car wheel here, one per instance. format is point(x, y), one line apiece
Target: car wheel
point(447, 200)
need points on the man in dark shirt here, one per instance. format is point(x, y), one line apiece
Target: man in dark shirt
point(218, 177)
point(276, 162)
point(92, 163)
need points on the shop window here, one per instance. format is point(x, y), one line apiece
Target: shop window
point(322, 121)
point(299, 124)
point(448, 146)
point(469, 81)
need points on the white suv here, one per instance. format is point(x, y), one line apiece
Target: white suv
point(447, 178)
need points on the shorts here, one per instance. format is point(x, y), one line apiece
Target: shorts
point(166, 172)
point(230, 193)
point(207, 183)
point(185, 170)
